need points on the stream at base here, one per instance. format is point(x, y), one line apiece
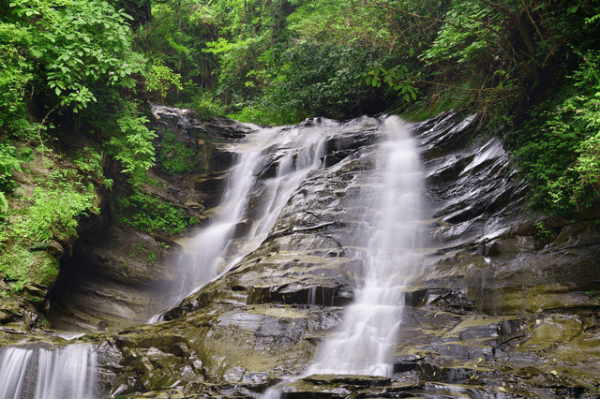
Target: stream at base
point(44, 373)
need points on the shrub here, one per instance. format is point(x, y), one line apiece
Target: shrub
point(559, 148)
point(150, 214)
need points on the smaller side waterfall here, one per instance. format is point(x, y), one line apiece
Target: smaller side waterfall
point(269, 163)
point(65, 373)
point(371, 323)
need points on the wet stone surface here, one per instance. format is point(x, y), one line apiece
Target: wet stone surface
point(496, 308)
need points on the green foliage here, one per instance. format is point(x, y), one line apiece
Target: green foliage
point(322, 79)
point(397, 78)
point(69, 54)
point(51, 212)
point(133, 145)
point(82, 44)
point(207, 105)
point(151, 258)
point(3, 204)
point(89, 162)
point(458, 99)
point(9, 162)
point(147, 213)
point(542, 232)
point(272, 61)
point(15, 266)
point(176, 39)
point(307, 79)
point(161, 78)
point(560, 148)
point(15, 74)
point(55, 211)
point(175, 157)
point(143, 249)
point(469, 34)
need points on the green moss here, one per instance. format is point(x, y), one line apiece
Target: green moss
point(147, 213)
point(46, 269)
point(16, 263)
point(50, 210)
point(177, 158)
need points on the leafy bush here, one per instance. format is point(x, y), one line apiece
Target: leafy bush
point(161, 78)
point(8, 162)
point(147, 213)
point(133, 144)
point(15, 74)
point(175, 157)
point(207, 105)
point(559, 148)
point(310, 78)
point(82, 43)
point(55, 212)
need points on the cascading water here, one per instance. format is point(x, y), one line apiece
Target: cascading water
point(269, 166)
point(40, 373)
point(250, 206)
point(371, 323)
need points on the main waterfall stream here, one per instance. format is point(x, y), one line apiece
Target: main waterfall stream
point(371, 323)
point(252, 206)
point(362, 343)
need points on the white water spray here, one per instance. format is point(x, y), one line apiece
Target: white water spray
point(371, 323)
point(217, 248)
point(65, 373)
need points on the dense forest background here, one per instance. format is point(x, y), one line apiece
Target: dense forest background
point(73, 69)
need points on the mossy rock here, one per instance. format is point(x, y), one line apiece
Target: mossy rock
point(43, 272)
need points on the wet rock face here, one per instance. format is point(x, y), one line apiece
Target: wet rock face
point(115, 275)
point(499, 308)
point(502, 304)
point(110, 281)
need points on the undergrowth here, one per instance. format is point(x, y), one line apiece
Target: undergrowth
point(559, 146)
point(176, 158)
point(50, 210)
point(147, 213)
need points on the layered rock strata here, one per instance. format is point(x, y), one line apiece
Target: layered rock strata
point(504, 302)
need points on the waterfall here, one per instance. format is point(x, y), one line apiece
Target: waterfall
point(65, 373)
point(269, 164)
point(371, 323)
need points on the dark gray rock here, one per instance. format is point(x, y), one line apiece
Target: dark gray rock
point(496, 308)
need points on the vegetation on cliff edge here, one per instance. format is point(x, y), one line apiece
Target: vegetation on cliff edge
point(529, 68)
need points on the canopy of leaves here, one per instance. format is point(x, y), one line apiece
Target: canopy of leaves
point(279, 61)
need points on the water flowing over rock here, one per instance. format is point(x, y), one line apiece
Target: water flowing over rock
point(48, 373)
point(491, 305)
point(371, 323)
point(267, 167)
